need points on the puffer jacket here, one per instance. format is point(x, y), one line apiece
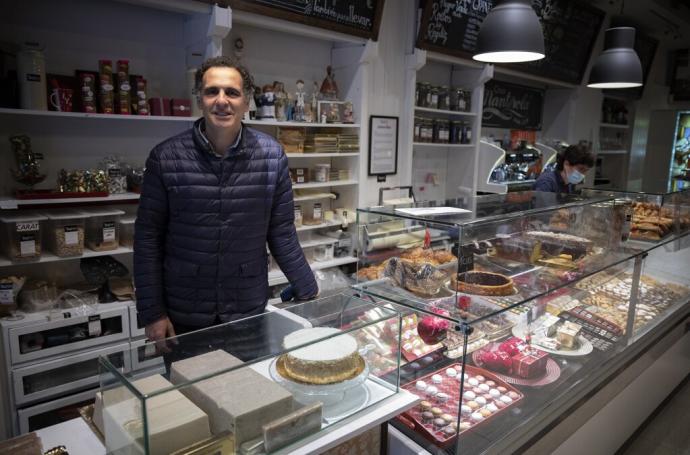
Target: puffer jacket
point(202, 228)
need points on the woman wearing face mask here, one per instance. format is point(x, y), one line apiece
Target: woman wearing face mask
point(571, 166)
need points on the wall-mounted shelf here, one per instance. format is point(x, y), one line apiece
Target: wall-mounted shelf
point(297, 186)
point(11, 203)
point(277, 277)
point(49, 257)
point(445, 112)
point(84, 115)
point(319, 155)
point(300, 124)
point(614, 125)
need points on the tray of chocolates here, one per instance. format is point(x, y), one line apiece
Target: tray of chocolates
point(436, 417)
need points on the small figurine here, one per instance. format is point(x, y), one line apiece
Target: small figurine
point(329, 88)
point(252, 107)
point(281, 101)
point(268, 101)
point(257, 102)
point(348, 115)
point(299, 101)
point(315, 96)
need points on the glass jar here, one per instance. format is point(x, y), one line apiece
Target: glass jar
point(417, 136)
point(298, 216)
point(453, 99)
point(444, 131)
point(420, 94)
point(317, 213)
point(426, 130)
point(427, 95)
point(435, 128)
point(455, 128)
point(468, 100)
point(443, 98)
point(461, 101)
point(433, 98)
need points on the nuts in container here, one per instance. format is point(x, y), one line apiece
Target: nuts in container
point(21, 236)
point(127, 231)
point(65, 233)
point(102, 229)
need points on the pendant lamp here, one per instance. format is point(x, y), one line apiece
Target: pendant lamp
point(618, 66)
point(510, 33)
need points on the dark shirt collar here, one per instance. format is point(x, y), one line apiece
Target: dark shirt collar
point(200, 130)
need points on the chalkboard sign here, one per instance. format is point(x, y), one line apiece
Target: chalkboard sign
point(570, 31)
point(353, 17)
point(514, 106)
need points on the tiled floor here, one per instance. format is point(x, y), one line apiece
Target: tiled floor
point(669, 432)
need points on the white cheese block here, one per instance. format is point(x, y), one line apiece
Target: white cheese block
point(336, 348)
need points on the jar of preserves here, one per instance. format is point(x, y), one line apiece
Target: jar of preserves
point(417, 137)
point(462, 102)
point(433, 98)
point(427, 130)
point(444, 131)
point(443, 98)
point(455, 128)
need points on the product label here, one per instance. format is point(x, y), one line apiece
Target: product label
point(71, 235)
point(125, 87)
point(109, 231)
point(94, 325)
point(6, 294)
point(107, 87)
point(33, 77)
point(27, 226)
point(317, 213)
point(114, 172)
point(27, 245)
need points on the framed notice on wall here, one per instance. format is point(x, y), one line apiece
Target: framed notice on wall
point(383, 145)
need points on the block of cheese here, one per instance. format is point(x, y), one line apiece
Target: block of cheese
point(173, 420)
point(240, 401)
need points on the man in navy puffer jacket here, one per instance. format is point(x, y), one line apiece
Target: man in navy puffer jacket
point(212, 198)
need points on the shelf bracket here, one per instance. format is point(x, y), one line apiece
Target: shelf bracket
point(220, 23)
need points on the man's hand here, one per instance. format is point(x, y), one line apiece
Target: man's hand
point(158, 331)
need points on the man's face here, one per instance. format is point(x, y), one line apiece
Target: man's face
point(222, 100)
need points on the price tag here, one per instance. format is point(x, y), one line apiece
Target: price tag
point(109, 231)
point(27, 245)
point(71, 235)
point(94, 325)
point(6, 294)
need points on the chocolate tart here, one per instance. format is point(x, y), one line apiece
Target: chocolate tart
point(483, 283)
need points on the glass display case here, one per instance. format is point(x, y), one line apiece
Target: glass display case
point(257, 385)
point(512, 307)
point(653, 215)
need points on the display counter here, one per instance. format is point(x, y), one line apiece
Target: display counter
point(510, 318)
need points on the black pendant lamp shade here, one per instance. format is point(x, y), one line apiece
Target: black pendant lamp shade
point(618, 66)
point(510, 33)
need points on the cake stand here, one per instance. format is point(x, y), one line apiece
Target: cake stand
point(338, 400)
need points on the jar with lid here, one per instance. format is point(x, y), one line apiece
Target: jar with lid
point(322, 172)
point(427, 95)
point(443, 131)
point(455, 128)
point(426, 132)
point(417, 136)
point(461, 103)
point(317, 213)
point(21, 236)
point(102, 229)
point(443, 98)
point(433, 98)
point(436, 131)
point(420, 94)
point(65, 233)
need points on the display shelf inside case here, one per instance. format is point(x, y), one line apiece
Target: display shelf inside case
point(285, 370)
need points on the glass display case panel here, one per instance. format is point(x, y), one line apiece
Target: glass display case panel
point(664, 284)
point(257, 384)
point(499, 250)
point(654, 216)
point(483, 381)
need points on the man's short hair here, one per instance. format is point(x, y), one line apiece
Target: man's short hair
point(575, 154)
point(227, 62)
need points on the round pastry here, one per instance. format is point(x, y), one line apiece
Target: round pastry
point(513, 395)
point(506, 399)
point(420, 385)
point(491, 383)
point(501, 389)
point(484, 387)
point(469, 395)
point(453, 424)
point(432, 390)
point(442, 397)
point(436, 411)
point(473, 405)
point(487, 397)
point(477, 416)
point(439, 423)
point(499, 404)
point(437, 379)
point(424, 405)
point(465, 426)
point(451, 373)
point(325, 362)
point(481, 401)
point(477, 390)
point(480, 378)
point(415, 366)
point(427, 416)
point(447, 417)
point(494, 393)
point(485, 412)
point(482, 283)
point(492, 407)
point(449, 431)
point(473, 382)
point(465, 409)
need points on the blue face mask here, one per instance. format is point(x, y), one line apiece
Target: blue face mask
point(575, 177)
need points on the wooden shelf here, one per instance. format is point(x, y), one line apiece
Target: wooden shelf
point(49, 257)
point(277, 277)
point(84, 115)
point(445, 112)
point(297, 186)
point(319, 155)
point(11, 203)
point(614, 125)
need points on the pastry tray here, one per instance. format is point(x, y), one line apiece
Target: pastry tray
point(412, 418)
